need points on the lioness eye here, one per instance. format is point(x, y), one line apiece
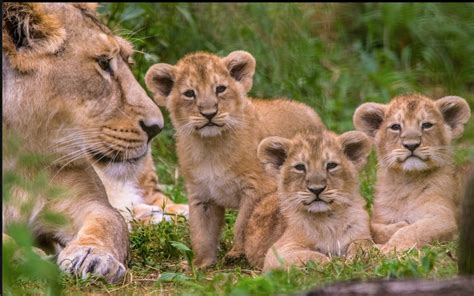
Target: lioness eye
point(104, 63)
point(220, 89)
point(395, 127)
point(300, 167)
point(189, 93)
point(331, 165)
point(426, 125)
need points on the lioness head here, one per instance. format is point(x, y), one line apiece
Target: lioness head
point(413, 133)
point(68, 88)
point(317, 172)
point(204, 93)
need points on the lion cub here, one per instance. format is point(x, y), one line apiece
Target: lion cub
point(418, 186)
point(317, 211)
point(218, 129)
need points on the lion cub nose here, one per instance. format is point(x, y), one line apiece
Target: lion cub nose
point(209, 114)
point(316, 190)
point(411, 146)
point(151, 128)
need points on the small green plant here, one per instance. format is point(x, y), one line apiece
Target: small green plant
point(24, 267)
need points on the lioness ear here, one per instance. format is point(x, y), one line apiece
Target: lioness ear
point(241, 66)
point(160, 80)
point(27, 32)
point(356, 146)
point(368, 117)
point(456, 113)
point(272, 153)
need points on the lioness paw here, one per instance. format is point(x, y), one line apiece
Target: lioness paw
point(84, 260)
point(178, 209)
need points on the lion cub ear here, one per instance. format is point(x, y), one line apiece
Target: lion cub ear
point(28, 32)
point(356, 146)
point(160, 80)
point(272, 153)
point(456, 113)
point(368, 117)
point(241, 66)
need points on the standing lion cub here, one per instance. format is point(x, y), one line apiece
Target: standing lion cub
point(418, 186)
point(218, 129)
point(317, 211)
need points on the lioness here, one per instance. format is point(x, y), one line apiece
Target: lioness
point(418, 186)
point(218, 129)
point(68, 93)
point(317, 211)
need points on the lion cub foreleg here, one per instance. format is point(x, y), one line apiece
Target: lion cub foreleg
point(247, 204)
point(205, 220)
point(282, 255)
point(383, 232)
point(422, 232)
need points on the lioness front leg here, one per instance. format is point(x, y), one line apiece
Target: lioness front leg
point(205, 220)
point(383, 232)
point(422, 232)
point(291, 255)
point(99, 244)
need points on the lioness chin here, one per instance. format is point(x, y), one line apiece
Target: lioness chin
point(218, 129)
point(68, 93)
point(418, 187)
point(317, 211)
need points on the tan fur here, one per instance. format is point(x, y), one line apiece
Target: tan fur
point(417, 198)
point(62, 104)
point(219, 163)
point(297, 223)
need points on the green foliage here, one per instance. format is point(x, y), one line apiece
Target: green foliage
point(152, 244)
point(24, 270)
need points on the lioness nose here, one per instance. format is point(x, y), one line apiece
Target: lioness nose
point(151, 128)
point(209, 114)
point(316, 190)
point(411, 146)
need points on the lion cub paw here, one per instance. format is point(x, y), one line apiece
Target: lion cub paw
point(234, 255)
point(235, 258)
point(204, 263)
point(84, 260)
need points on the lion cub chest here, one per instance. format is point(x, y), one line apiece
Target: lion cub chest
point(215, 181)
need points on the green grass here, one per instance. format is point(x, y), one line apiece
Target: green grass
point(332, 57)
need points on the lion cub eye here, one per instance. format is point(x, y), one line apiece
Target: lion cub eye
point(426, 125)
point(331, 166)
point(220, 89)
point(104, 63)
point(189, 93)
point(300, 167)
point(395, 127)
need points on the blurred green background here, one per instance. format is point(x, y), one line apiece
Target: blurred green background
point(332, 57)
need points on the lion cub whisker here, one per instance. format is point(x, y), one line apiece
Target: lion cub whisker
point(416, 174)
point(218, 129)
point(317, 212)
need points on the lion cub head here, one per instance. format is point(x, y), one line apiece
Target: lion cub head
point(413, 133)
point(204, 93)
point(68, 87)
point(316, 171)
